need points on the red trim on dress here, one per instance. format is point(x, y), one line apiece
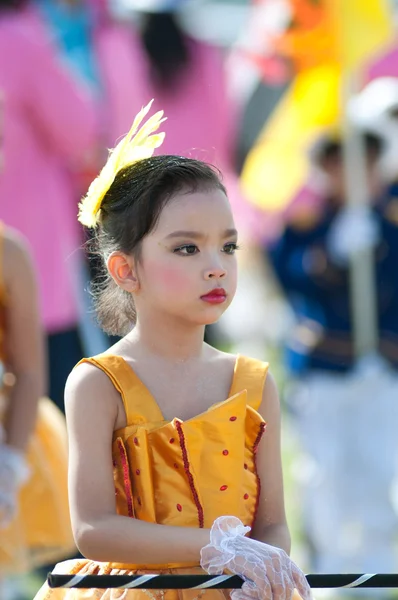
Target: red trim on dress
point(126, 477)
point(255, 448)
point(189, 474)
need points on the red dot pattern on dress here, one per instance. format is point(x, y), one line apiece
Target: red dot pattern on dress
point(233, 418)
point(135, 440)
point(114, 462)
point(137, 471)
point(245, 466)
point(223, 488)
point(171, 440)
point(139, 501)
point(126, 477)
point(246, 496)
point(175, 466)
point(179, 507)
point(225, 452)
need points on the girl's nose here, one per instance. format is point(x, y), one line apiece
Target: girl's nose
point(215, 273)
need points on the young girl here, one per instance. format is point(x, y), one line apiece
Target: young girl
point(34, 524)
point(165, 432)
point(34, 511)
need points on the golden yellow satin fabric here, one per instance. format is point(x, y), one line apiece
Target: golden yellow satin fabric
point(41, 532)
point(181, 473)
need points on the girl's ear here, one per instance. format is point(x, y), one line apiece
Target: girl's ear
point(123, 272)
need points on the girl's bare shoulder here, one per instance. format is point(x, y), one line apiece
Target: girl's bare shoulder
point(90, 389)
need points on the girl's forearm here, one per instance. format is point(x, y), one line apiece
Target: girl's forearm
point(22, 411)
point(275, 535)
point(125, 540)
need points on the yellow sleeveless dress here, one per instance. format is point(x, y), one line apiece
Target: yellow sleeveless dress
point(41, 532)
point(181, 473)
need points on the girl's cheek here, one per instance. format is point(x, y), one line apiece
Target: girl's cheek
point(167, 277)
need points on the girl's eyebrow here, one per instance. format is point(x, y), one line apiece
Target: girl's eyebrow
point(198, 235)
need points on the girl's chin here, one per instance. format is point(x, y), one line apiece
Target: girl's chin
point(211, 317)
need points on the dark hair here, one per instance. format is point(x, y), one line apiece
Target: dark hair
point(166, 46)
point(130, 210)
point(331, 149)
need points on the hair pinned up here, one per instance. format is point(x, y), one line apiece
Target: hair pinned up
point(130, 210)
point(123, 205)
point(136, 145)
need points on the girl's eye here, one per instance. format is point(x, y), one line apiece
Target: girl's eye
point(230, 248)
point(188, 249)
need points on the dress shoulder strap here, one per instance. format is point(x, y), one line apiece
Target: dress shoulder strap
point(137, 400)
point(250, 374)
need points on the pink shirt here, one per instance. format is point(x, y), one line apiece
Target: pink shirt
point(49, 123)
point(384, 65)
point(201, 119)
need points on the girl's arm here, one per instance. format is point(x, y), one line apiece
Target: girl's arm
point(24, 341)
point(263, 560)
point(92, 408)
point(271, 526)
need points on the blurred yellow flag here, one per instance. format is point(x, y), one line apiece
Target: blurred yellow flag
point(355, 30)
point(362, 28)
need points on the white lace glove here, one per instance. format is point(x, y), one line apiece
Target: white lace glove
point(354, 230)
point(14, 472)
point(268, 571)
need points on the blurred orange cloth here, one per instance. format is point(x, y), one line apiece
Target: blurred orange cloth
point(334, 31)
point(180, 473)
point(41, 532)
point(326, 39)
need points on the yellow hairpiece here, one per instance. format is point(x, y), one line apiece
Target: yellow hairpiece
point(137, 145)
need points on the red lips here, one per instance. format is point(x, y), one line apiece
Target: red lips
point(216, 296)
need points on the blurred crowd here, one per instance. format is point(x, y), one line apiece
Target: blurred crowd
point(73, 73)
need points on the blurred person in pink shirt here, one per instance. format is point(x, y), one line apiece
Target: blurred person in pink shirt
point(155, 57)
point(158, 59)
point(49, 130)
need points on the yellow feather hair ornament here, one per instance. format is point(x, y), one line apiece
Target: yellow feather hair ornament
point(138, 144)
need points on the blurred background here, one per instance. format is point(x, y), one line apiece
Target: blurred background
point(296, 101)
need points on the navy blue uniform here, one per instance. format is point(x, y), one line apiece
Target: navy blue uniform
point(319, 292)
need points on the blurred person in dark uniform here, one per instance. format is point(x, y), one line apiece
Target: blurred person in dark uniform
point(346, 413)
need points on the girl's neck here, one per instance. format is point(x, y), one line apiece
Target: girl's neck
point(174, 342)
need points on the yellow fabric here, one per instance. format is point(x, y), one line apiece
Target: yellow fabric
point(181, 473)
point(329, 39)
point(41, 532)
point(362, 27)
point(277, 165)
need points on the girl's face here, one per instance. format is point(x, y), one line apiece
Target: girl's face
point(188, 267)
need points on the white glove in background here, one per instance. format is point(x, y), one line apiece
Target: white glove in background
point(268, 571)
point(14, 472)
point(354, 230)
